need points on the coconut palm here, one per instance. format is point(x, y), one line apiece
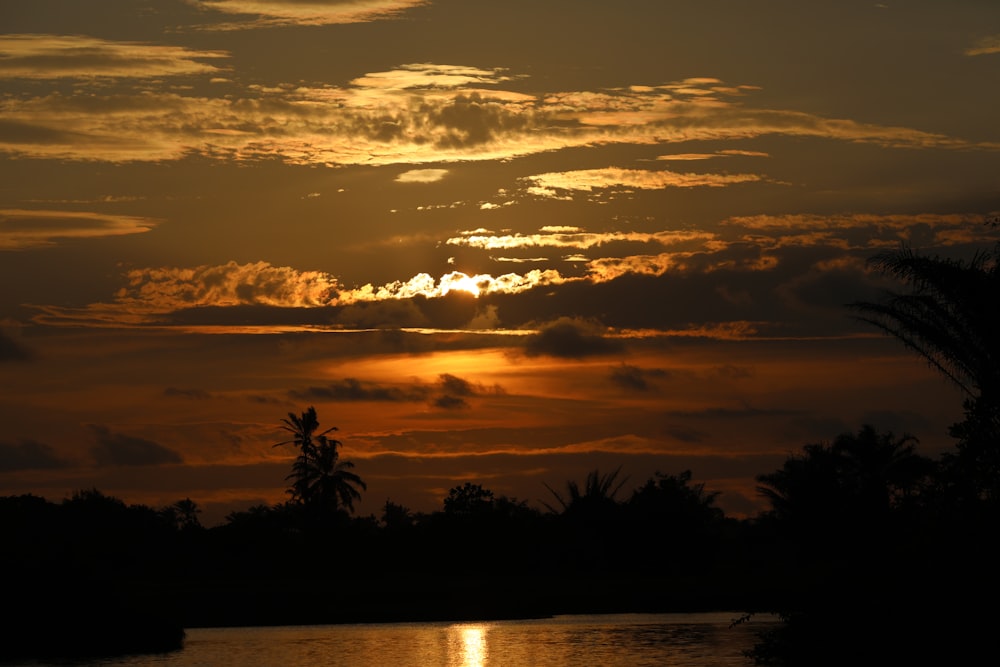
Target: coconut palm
point(597, 497)
point(856, 477)
point(319, 478)
point(950, 316)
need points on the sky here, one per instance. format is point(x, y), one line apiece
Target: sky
point(505, 243)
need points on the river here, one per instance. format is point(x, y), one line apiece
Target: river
point(632, 640)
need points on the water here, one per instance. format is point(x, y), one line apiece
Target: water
point(632, 640)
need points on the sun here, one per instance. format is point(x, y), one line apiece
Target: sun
point(456, 281)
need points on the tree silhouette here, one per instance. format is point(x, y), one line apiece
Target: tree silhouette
point(396, 517)
point(468, 500)
point(671, 499)
point(320, 480)
point(597, 497)
point(857, 478)
point(183, 515)
point(951, 317)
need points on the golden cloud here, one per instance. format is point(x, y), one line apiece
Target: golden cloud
point(613, 177)
point(272, 13)
point(76, 56)
point(167, 289)
point(575, 239)
point(422, 176)
point(416, 114)
point(429, 75)
point(985, 46)
point(25, 228)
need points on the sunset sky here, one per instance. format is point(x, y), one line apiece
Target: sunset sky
point(498, 242)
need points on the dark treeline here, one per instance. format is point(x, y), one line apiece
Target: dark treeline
point(870, 552)
point(96, 562)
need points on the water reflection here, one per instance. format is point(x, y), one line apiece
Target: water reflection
point(625, 640)
point(467, 645)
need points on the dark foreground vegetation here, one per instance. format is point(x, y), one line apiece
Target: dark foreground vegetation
point(871, 553)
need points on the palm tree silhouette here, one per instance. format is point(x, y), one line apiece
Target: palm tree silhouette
point(319, 478)
point(951, 316)
point(597, 497)
point(857, 477)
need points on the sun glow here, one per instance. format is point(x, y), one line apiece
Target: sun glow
point(460, 282)
point(470, 645)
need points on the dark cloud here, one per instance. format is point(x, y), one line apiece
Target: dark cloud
point(381, 315)
point(471, 120)
point(10, 350)
point(456, 386)
point(829, 289)
point(453, 392)
point(449, 402)
point(125, 450)
point(175, 392)
point(449, 392)
point(570, 338)
point(352, 389)
point(633, 378)
point(28, 455)
point(686, 434)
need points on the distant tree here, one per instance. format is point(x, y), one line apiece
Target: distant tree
point(673, 499)
point(396, 517)
point(856, 478)
point(320, 480)
point(597, 497)
point(859, 577)
point(468, 500)
point(183, 515)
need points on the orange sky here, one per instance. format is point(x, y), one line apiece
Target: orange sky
point(505, 243)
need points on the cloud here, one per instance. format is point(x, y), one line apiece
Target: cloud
point(419, 114)
point(425, 285)
point(429, 75)
point(174, 392)
point(985, 46)
point(26, 228)
point(453, 392)
point(633, 378)
point(28, 455)
point(274, 13)
point(261, 293)
point(422, 176)
point(588, 180)
point(166, 289)
point(485, 319)
point(572, 237)
point(11, 350)
point(117, 449)
point(352, 389)
point(571, 338)
point(81, 57)
point(390, 314)
point(450, 392)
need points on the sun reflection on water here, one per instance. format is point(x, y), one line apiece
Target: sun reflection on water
point(468, 645)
